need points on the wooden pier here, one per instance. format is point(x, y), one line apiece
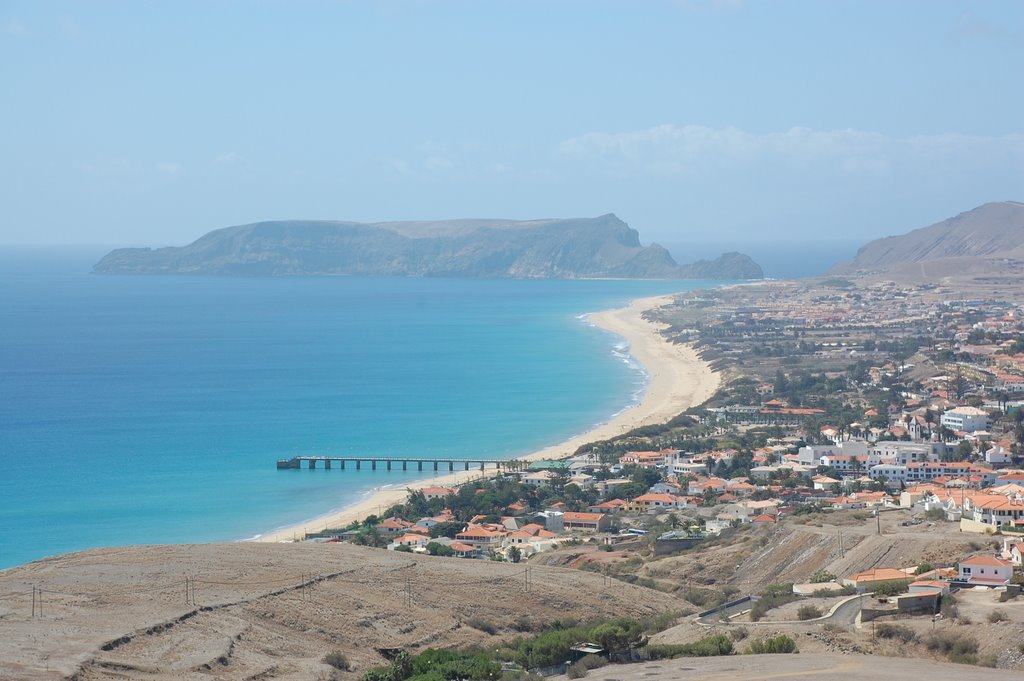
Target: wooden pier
point(392, 463)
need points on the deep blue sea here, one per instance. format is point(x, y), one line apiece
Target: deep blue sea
point(152, 409)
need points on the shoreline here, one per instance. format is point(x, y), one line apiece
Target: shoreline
point(677, 379)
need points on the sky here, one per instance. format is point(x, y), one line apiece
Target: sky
point(145, 123)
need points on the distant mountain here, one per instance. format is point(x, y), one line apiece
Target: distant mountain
point(539, 249)
point(990, 236)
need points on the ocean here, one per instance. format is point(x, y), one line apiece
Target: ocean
point(152, 409)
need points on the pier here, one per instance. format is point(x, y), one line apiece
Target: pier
point(392, 463)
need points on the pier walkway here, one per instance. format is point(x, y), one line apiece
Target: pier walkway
point(358, 462)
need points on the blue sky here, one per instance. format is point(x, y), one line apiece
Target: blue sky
point(729, 121)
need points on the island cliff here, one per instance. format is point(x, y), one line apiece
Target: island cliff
point(539, 249)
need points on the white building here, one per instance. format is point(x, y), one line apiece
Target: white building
point(998, 455)
point(966, 419)
point(891, 472)
point(987, 570)
point(812, 454)
point(903, 453)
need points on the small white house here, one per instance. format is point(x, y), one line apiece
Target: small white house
point(985, 570)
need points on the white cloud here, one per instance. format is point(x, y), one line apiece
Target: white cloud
point(970, 27)
point(228, 157)
point(169, 168)
point(13, 27)
point(693, 149)
point(68, 25)
point(118, 165)
point(436, 163)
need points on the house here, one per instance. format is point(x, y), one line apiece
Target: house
point(869, 579)
point(740, 489)
point(411, 540)
point(763, 518)
point(994, 509)
point(553, 520)
point(998, 455)
point(651, 503)
point(824, 482)
point(463, 550)
point(528, 534)
point(610, 506)
point(587, 522)
point(644, 459)
point(929, 586)
point(665, 488)
point(582, 480)
point(966, 419)
point(481, 537)
point(394, 525)
point(431, 493)
point(985, 570)
point(537, 478)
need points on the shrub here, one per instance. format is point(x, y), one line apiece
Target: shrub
point(949, 609)
point(774, 595)
point(709, 646)
point(997, 616)
point(739, 633)
point(523, 623)
point(576, 671)
point(822, 576)
point(337, 660)
point(896, 631)
point(808, 612)
point(960, 649)
point(482, 625)
point(897, 586)
point(697, 597)
point(773, 645)
point(828, 593)
point(923, 568)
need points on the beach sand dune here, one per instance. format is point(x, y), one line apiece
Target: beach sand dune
point(677, 380)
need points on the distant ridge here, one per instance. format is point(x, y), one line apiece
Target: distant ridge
point(574, 248)
point(989, 236)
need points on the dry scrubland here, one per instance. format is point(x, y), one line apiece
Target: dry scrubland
point(130, 619)
point(122, 613)
point(792, 551)
point(754, 557)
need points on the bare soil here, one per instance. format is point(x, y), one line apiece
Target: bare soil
point(803, 666)
point(272, 611)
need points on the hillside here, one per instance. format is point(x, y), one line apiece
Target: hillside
point(540, 249)
point(989, 238)
point(273, 610)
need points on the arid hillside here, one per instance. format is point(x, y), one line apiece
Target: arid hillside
point(266, 611)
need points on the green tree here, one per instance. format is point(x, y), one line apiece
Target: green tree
point(514, 554)
point(436, 549)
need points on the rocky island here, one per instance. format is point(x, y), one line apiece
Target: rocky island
point(576, 248)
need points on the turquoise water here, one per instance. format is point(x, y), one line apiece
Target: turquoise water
point(152, 409)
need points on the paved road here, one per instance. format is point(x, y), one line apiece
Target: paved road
point(845, 615)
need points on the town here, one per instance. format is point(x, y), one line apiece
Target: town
point(882, 409)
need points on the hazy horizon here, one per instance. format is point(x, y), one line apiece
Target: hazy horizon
point(695, 121)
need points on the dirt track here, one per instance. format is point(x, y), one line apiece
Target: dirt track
point(814, 667)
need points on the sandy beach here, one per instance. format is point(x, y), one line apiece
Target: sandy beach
point(677, 380)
